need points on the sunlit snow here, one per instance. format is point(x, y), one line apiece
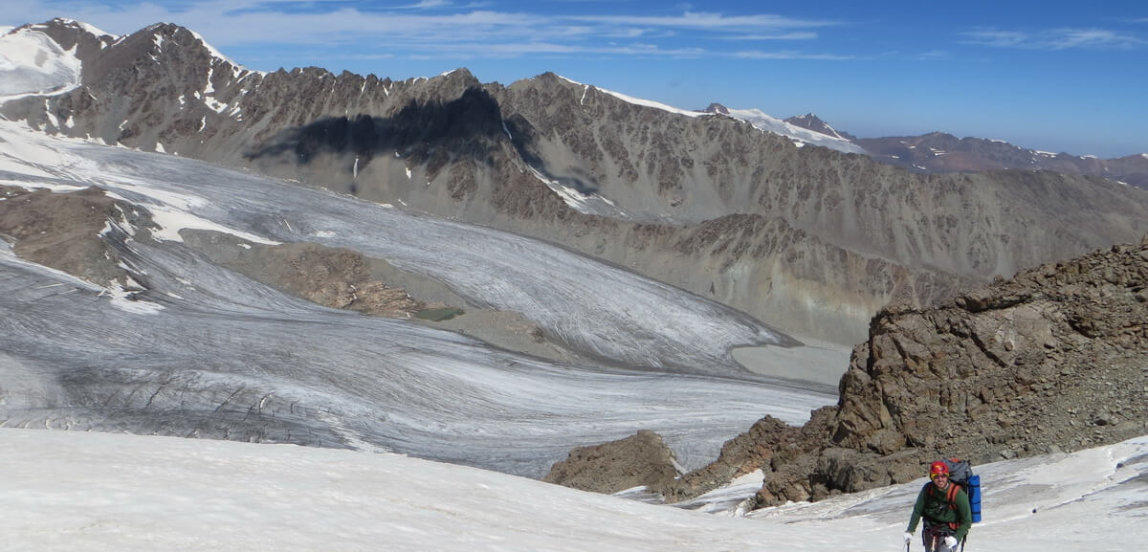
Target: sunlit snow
point(636, 101)
point(228, 356)
point(762, 121)
point(31, 63)
point(591, 204)
point(88, 491)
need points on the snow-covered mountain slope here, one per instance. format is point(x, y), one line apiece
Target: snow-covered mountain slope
point(800, 135)
point(803, 238)
point(636, 101)
point(755, 117)
point(87, 491)
point(31, 63)
point(191, 348)
point(814, 123)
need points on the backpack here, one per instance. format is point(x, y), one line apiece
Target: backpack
point(961, 473)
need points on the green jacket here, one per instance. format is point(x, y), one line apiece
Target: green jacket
point(934, 506)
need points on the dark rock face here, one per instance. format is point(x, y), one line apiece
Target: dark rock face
point(1054, 359)
point(431, 132)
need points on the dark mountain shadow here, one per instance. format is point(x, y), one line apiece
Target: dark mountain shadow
point(431, 132)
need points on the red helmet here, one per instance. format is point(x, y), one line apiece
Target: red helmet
point(938, 468)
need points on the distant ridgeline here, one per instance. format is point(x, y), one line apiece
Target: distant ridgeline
point(811, 240)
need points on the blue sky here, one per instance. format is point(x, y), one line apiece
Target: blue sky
point(1051, 75)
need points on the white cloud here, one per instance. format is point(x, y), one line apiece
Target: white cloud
point(428, 4)
point(1054, 39)
point(1094, 38)
point(803, 35)
point(701, 20)
point(432, 27)
point(932, 55)
point(790, 54)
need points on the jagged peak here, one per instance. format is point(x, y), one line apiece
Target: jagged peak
point(165, 28)
point(311, 71)
point(717, 108)
point(551, 75)
point(65, 23)
point(160, 33)
point(938, 134)
point(461, 75)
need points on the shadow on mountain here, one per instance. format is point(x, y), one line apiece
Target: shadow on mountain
point(432, 132)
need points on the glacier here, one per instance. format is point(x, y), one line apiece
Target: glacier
point(202, 351)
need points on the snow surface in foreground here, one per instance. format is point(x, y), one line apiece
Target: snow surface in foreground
point(89, 491)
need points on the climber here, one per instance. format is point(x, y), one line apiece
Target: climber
point(945, 507)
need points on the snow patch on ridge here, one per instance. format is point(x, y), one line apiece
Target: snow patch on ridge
point(88, 28)
point(216, 53)
point(755, 117)
point(31, 63)
point(637, 101)
point(587, 204)
point(173, 214)
point(761, 121)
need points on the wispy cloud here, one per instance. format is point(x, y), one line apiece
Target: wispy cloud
point(932, 55)
point(450, 27)
point(699, 20)
point(1055, 39)
point(802, 35)
point(426, 4)
point(790, 54)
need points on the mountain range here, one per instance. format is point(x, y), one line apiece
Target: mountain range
point(809, 239)
point(491, 274)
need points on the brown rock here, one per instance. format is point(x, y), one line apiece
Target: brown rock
point(641, 459)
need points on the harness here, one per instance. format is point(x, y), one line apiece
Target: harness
point(951, 498)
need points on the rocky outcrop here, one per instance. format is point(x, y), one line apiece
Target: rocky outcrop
point(73, 232)
point(88, 235)
point(642, 459)
point(1053, 359)
point(332, 277)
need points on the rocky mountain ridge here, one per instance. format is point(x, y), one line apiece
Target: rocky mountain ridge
point(939, 152)
point(816, 124)
point(1054, 359)
point(810, 240)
